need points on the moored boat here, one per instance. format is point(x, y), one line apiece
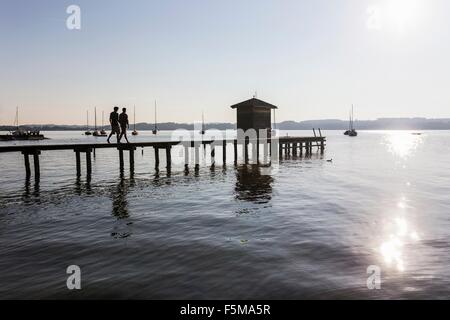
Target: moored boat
point(203, 131)
point(87, 132)
point(351, 132)
point(103, 131)
point(96, 132)
point(155, 130)
point(134, 133)
point(20, 134)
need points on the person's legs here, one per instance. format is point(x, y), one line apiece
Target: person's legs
point(110, 135)
point(125, 135)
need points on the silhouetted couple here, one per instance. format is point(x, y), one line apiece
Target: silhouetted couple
point(119, 124)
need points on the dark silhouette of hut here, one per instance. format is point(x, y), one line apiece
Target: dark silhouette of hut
point(254, 114)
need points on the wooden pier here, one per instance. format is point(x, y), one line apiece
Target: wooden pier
point(287, 146)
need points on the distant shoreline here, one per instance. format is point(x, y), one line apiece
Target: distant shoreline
point(332, 124)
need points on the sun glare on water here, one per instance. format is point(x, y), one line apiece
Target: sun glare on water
point(402, 144)
point(400, 233)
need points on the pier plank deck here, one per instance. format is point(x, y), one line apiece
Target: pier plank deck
point(287, 145)
point(125, 146)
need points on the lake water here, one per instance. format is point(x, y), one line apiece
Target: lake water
point(309, 229)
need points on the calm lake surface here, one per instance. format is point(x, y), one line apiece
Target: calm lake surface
point(308, 229)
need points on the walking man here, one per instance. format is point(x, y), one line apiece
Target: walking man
point(124, 124)
point(114, 121)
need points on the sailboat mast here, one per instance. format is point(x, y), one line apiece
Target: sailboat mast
point(353, 119)
point(87, 120)
point(203, 121)
point(95, 110)
point(134, 128)
point(17, 117)
point(103, 117)
point(155, 116)
point(349, 120)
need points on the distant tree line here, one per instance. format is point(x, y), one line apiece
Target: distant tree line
point(331, 124)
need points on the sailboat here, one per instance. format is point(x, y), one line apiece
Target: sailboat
point(20, 134)
point(87, 132)
point(103, 132)
point(96, 132)
point(203, 124)
point(155, 130)
point(351, 132)
point(134, 133)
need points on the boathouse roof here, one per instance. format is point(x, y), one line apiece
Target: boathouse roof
point(254, 103)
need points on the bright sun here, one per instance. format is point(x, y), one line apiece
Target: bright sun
point(403, 13)
point(394, 14)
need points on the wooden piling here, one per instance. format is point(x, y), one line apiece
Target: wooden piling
point(213, 155)
point(168, 156)
point(121, 165)
point(37, 169)
point(156, 158)
point(257, 147)
point(131, 160)
point(197, 156)
point(88, 162)
point(246, 142)
point(235, 145)
point(186, 157)
point(78, 162)
point(224, 152)
point(266, 151)
point(26, 157)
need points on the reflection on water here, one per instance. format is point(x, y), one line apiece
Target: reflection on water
point(397, 229)
point(402, 144)
point(81, 187)
point(27, 190)
point(252, 184)
point(397, 233)
point(313, 229)
point(120, 202)
point(122, 228)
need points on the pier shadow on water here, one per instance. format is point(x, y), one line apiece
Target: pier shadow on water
point(122, 227)
point(31, 193)
point(252, 184)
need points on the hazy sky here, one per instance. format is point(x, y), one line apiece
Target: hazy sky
point(312, 58)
